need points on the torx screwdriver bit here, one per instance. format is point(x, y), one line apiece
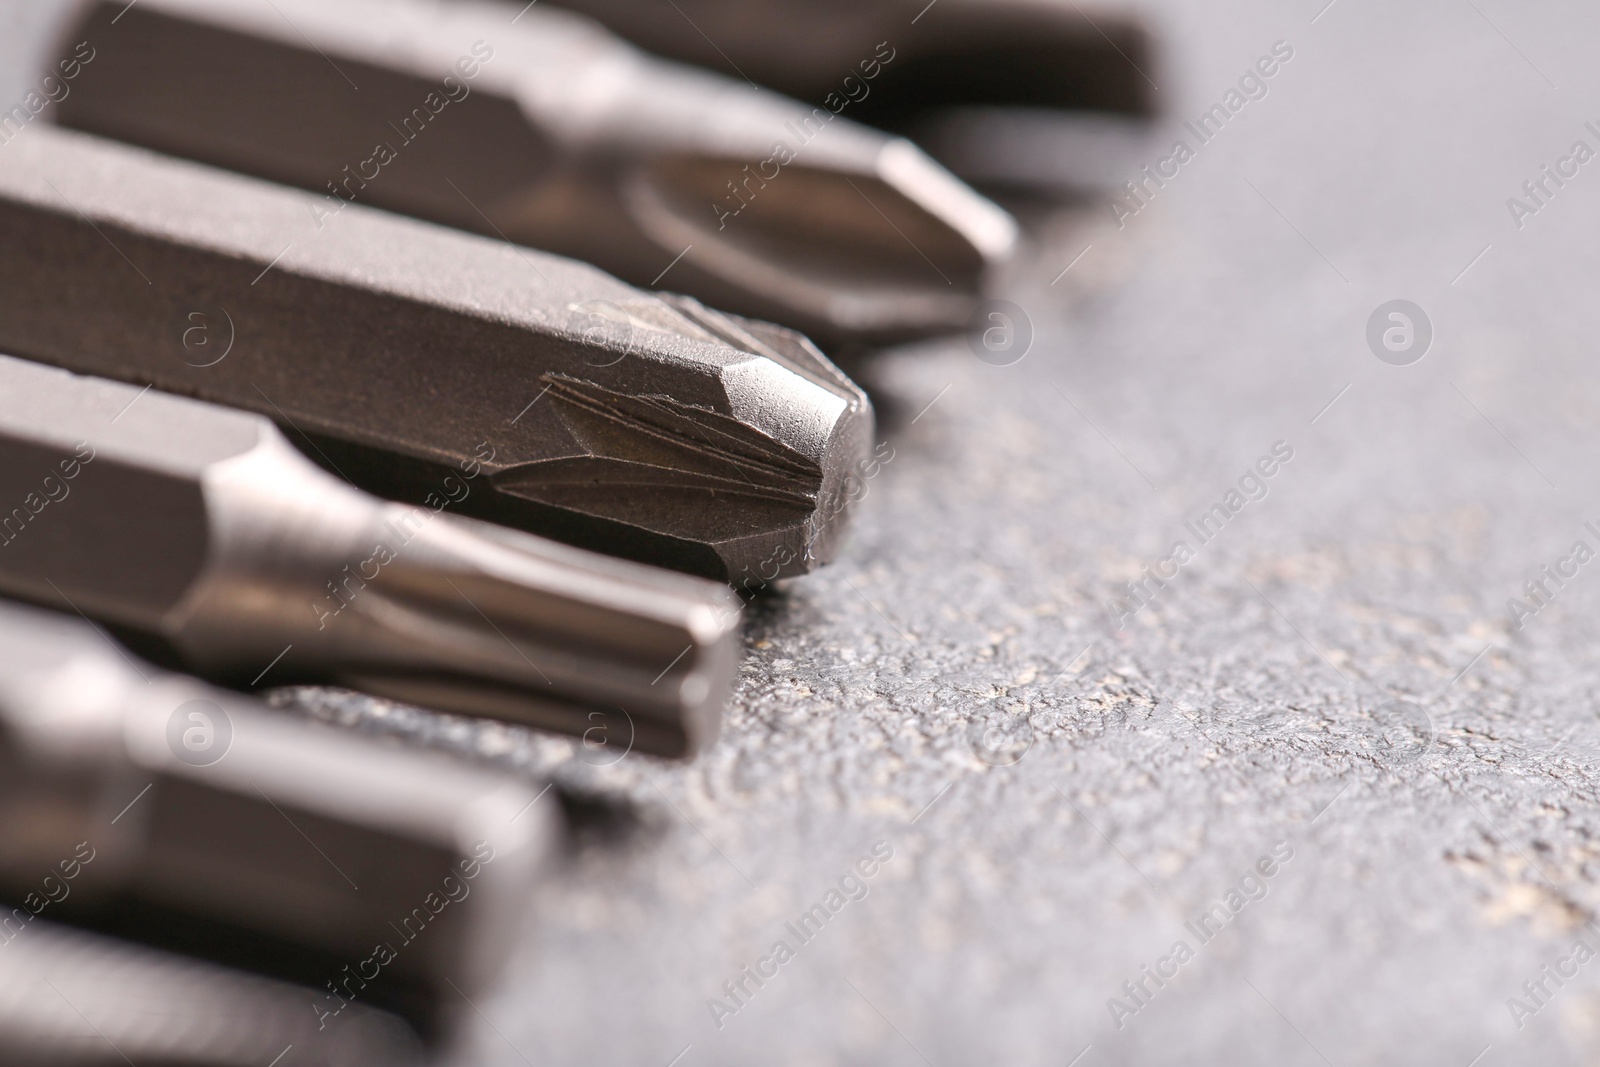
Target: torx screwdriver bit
point(406, 353)
point(200, 533)
point(123, 786)
point(1003, 92)
point(547, 130)
point(74, 998)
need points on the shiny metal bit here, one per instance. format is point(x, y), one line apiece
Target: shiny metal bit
point(547, 130)
point(122, 785)
point(1008, 92)
point(72, 998)
point(403, 354)
point(200, 532)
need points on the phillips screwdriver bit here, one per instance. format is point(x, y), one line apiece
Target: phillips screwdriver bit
point(1004, 92)
point(402, 354)
point(200, 533)
point(73, 998)
point(127, 789)
point(547, 130)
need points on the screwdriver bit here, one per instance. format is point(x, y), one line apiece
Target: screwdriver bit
point(199, 532)
point(402, 354)
point(1050, 75)
point(547, 130)
point(125, 786)
point(73, 998)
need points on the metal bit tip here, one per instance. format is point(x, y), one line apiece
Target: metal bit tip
point(554, 133)
point(198, 530)
point(424, 364)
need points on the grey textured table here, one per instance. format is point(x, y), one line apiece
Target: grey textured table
point(1425, 868)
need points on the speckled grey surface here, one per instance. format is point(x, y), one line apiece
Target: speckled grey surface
point(1432, 871)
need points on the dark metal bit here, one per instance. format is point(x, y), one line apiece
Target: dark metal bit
point(402, 354)
point(73, 998)
point(1005, 92)
point(200, 533)
point(123, 787)
point(541, 127)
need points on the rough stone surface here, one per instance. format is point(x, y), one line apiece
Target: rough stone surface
point(1436, 862)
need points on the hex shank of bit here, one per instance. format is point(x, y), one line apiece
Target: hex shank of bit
point(1017, 53)
point(200, 531)
point(552, 132)
point(128, 784)
point(72, 998)
point(1044, 97)
point(406, 354)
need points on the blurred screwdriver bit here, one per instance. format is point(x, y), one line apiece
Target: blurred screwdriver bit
point(72, 998)
point(1004, 92)
point(549, 131)
point(199, 532)
point(405, 354)
point(124, 786)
